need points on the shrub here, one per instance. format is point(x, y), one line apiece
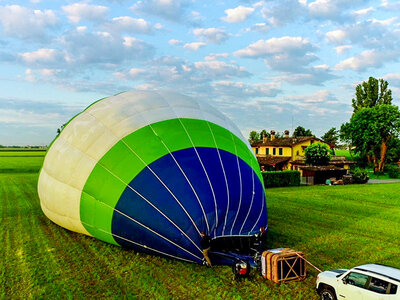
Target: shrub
point(281, 178)
point(393, 171)
point(318, 154)
point(360, 175)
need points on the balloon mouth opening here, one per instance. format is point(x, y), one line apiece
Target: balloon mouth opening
point(241, 244)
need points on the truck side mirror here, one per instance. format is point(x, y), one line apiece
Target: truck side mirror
point(345, 280)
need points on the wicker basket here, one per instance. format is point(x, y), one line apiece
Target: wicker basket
point(283, 265)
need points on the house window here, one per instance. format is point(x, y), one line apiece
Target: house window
point(256, 150)
point(280, 151)
point(274, 151)
point(267, 151)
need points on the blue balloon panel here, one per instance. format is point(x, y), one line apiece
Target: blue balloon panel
point(171, 201)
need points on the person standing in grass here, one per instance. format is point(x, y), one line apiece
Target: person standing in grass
point(206, 245)
point(261, 237)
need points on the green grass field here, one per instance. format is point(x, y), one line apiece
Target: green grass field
point(342, 152)
point(336, 226)
point(13, 161)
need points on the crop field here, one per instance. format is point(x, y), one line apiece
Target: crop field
point(20, 161)
point(336, 226)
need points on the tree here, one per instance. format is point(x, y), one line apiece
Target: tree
point(371, 93)
point(301, 131)
point(262, 132)
point(331, 136)
point(254, 137)
point(61, 128)
point(318, 154)
point(371, 130)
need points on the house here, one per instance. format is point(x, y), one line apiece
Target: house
point(287, 153)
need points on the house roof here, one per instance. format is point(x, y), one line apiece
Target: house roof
point(287, 141)
point(321, 168)
point(335, 160)
point(270, 160)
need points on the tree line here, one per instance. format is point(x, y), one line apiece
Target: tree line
point(372, 131)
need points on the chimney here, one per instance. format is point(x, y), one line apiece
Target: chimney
point(286, 133)
point(264, 138)
point(272, 135)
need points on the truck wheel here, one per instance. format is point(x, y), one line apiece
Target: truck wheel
point(328, 294)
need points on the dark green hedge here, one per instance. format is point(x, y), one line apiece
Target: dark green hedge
point(281, 178)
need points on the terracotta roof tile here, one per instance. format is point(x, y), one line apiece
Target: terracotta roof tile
point(286, 142)
point(270, 160)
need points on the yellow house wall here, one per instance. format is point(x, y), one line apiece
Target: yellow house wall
point(299, 147)
point(286, 151)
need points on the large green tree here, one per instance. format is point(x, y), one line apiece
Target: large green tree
point(331, 136)
point(318, 154)
point(371, 130)
point(301, 131)
point(370, 93)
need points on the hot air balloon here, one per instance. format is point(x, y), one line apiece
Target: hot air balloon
point(151, 171)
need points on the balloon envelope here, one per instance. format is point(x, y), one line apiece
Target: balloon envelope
point(151, 171)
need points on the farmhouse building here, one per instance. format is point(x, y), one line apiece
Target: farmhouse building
point(287, 153)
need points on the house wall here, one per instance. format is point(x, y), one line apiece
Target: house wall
point(286, 151)
point(298, 149)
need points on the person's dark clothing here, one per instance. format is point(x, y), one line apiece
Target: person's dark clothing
point(205, 242)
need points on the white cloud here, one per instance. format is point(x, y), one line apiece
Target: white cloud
point(28, 117)
point(103, 48)
point(240, 90)
point(258, 27)
point(135, 72)
point(25, 23)
point(367, 59)
point(385, 4)
point(213, 56)
point(41, 56)
point(211, 35)
point(343, 49)
point(221, 69)
point(393, 79)
point(172, 10)
point(363, 12)
point(280, 53)
point(129, 24)
point(238, 14)
point(194, 46)
point(263, 48)
point(386, 22)
point(371, 34)
point(82, 11)
point(335, 10)
point(282, 12)
point(174, 42)
point(315, 75)
point(337, 36)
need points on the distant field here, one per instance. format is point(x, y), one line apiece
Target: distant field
point(336, 226)
point(21, 162)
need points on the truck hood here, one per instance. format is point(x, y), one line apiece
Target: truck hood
point(333, 273)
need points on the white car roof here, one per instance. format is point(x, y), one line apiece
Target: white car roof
point(383, 270)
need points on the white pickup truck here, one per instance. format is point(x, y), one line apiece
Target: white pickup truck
point(372, 281)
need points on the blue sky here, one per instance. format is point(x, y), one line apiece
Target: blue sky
point(265, 64)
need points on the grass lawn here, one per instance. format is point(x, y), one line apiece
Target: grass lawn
point(342, 152)
point(12, 161)
point(336, 226)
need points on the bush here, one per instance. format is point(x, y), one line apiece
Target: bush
point(360, 175)
point(281, 178)
point(318, 154)
point(393, 171)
